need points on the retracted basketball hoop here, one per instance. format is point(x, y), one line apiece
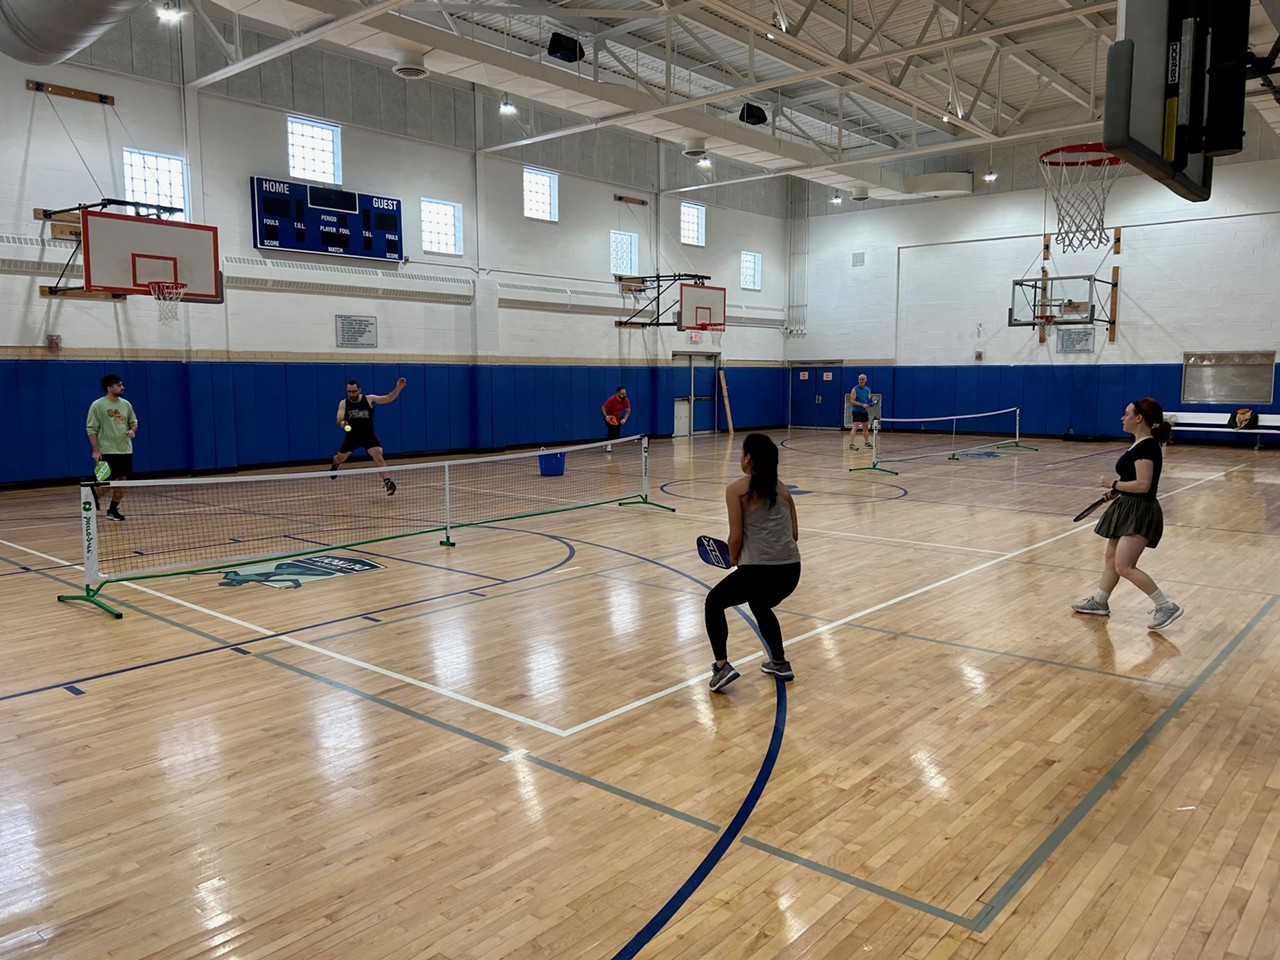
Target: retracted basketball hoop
point(168, 296)
point(1080, 177)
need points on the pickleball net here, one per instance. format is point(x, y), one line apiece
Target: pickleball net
point(905, 439)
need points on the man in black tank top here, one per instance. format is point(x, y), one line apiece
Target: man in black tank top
point(355, 418)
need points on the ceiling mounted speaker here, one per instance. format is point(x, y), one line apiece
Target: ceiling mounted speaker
point(410, 66)
point(753, 115)
point(565, 48)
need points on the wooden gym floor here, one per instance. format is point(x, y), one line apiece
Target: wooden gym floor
point(507, 749)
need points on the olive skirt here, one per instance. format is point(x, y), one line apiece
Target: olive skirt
point(1132, 515)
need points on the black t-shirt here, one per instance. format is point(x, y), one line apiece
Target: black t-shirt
point(1146, 449)
point(360, 416)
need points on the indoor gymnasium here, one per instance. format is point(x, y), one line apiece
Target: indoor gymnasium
point(703, 480)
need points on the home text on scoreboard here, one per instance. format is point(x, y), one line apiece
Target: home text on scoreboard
point(313, 219)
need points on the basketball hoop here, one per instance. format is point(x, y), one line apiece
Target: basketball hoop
point(715, 331)
point(168, 296)
point(1046, 319)
point(1080, 177)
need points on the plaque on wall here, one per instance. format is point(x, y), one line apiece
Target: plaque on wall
point(1075, 339)
point(356, 333)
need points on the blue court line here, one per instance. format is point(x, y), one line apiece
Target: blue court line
point(725, 840)
point(387, 556)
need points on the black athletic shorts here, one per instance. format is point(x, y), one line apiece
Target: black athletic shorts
point(858, 415)
point(121, 465)
point(354, 441)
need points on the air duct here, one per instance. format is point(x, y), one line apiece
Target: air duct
point(43, 32)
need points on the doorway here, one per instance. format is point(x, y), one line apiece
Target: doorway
point(696, 379)
point(816, 396)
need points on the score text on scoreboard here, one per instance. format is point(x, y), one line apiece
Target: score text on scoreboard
point(314, 219)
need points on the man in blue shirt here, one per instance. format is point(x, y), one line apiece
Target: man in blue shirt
point(860, 402)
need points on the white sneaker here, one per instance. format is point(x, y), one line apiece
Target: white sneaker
point(1164, 615)
point(608, 448)
point(1092, 605)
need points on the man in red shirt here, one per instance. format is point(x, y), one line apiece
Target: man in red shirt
point(615, 411)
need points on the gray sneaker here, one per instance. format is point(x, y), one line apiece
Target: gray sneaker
point(1092, 605)
point(778, 668)
point(1164, 615)
point(721, 677)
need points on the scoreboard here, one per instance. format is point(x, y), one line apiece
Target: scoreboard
point(315, 219)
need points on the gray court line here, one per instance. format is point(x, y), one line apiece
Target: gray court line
point(136, 609)
point(1019, 878)
point(851, 880)
point(624, 794)
point(1017, 656)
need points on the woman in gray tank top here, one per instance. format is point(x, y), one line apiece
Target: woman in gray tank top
point(762, 545)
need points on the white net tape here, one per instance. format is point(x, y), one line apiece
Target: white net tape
point(1080, 177)
point(168, 296)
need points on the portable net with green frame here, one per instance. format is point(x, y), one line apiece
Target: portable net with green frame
point(203, 525)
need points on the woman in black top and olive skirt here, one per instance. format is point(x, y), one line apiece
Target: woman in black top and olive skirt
point(1134, 521)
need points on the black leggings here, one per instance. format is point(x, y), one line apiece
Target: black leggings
point(761, 588)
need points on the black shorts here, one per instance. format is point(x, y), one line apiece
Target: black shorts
point(121, 465)
point(615, 429)
point(354, 441)
point(858, 415)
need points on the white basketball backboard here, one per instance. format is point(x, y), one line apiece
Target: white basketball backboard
point(700, 306)
point(124, 254)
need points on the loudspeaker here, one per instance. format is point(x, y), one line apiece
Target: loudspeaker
point(753, 115)
point(565, 48)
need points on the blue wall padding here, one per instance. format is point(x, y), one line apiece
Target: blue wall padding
point(204, 416)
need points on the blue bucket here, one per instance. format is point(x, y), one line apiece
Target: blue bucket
point(551, 464)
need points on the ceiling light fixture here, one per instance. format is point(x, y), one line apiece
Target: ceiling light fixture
point(837, 199)
point(991, 176)
point(506, 107)
point(169, 12)
point(704, 163)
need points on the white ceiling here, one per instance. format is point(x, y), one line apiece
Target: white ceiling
point(848, 87)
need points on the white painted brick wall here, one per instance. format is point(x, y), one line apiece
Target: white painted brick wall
point(1193, 276)
point(38, 167)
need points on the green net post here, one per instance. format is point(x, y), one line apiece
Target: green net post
point(89, 547)
point(875, 453)
point(448, 516)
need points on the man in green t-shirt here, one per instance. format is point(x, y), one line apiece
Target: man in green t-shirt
point(111, 426)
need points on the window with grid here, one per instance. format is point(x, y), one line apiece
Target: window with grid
point(315, 150)
point(155, 179)
point(624, 253)
point(693, 223)
point(441, 226)
point(541, 195)
point(751, 270)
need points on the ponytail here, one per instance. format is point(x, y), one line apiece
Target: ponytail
point(764, 466)
point(1153, 415)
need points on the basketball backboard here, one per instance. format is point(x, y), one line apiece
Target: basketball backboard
point(1067, 300)
point(1175, 89)
point(700, 307)
point(124, 254)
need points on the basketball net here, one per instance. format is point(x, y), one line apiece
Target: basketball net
point(1080, 177)
point(715, 332)
point(168, 296)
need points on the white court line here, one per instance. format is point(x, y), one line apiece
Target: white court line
point(833, 625)
point(263, 631)
point(627, 708)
